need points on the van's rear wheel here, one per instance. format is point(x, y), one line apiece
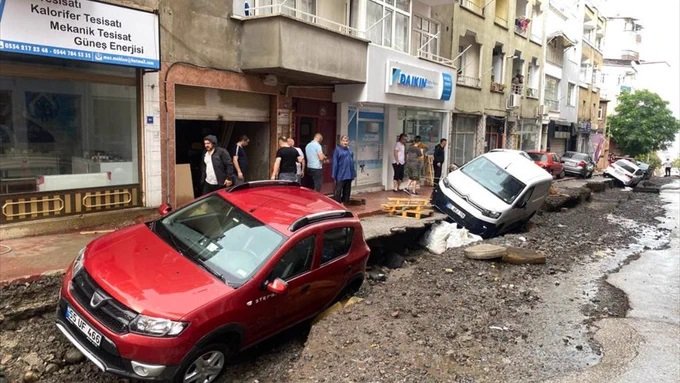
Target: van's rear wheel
point(204, 365)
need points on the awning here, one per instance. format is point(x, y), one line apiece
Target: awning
point(566, 41)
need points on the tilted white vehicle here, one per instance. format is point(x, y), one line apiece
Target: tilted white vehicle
point(625, 171)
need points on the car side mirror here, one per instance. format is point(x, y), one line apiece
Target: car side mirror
point(165, 208)
point(278, 286)
point(522, 205)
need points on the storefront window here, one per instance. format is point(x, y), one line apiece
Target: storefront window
point(464, 139)
point(528, 136)
point(58, 134)
point(422, 123)
point(366, 134)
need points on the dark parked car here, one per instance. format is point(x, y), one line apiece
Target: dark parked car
point(548, 161)
point(172, 299)
point(580, 164)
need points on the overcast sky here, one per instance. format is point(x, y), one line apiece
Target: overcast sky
point(660, 42)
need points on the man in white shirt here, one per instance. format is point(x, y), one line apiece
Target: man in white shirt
point(217, 170)
point(668, 165)
point(300, 164)
point(398, 161)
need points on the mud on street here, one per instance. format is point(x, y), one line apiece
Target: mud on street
point(438, 318)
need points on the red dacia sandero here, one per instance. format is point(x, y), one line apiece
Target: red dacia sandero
point(172, 299)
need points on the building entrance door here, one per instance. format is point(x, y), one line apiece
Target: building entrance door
point(317, 117)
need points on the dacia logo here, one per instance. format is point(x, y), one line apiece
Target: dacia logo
point(97, 299)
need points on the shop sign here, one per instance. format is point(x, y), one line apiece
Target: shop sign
point(409, 80)
point(81, 30)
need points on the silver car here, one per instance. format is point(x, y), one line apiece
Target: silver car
point(580, 164)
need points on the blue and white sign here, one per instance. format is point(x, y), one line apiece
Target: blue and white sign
point(409, 80)
point(80, 30)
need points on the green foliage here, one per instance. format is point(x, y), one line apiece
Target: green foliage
point(650, 158)
point(642, 123)
point(676, 163)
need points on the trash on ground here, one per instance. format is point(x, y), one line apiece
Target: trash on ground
point(446, 235)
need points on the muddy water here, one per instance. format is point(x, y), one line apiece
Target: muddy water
point(561, 333)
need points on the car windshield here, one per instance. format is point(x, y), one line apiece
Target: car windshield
point(221, 238)
point(538, 157)
point(580, 156)
point(494, 179)
point(625, 166)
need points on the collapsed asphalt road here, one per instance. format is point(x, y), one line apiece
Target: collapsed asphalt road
point(439, 318)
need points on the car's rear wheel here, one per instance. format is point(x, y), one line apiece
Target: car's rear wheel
point(204, 365)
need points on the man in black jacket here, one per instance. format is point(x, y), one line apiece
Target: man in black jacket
point(438, 160)
point(217, 170)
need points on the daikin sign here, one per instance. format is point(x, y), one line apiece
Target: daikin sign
point(80, 30)
point(409, 80)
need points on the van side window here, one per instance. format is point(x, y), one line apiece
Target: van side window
point(296, 261)
point(336, 243)
point(525, 198)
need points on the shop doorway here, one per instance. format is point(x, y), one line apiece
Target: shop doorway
point(189, 150)
point(317, 117)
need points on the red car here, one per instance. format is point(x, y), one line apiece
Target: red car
point(173, 298)
point(548, 161)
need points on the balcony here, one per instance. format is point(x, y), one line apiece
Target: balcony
point(629, 54)
point(473, 82)
point(302, 48)
point(552, 104)
point(497, 87)
point(532, 92)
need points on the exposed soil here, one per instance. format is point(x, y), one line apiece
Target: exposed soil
point(439, 318)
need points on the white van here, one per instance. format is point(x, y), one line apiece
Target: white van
point(493, 193)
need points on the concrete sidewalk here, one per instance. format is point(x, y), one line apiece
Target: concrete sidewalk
point(28, 258)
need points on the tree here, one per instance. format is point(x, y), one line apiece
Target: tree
point(642, 123)
point(676, 163)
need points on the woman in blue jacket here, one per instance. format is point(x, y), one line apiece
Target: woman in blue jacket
point(343, 170)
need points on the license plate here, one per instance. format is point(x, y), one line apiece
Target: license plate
point(455, 210)
point(92, 335)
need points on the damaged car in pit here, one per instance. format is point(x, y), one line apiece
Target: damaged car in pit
point(493, 193)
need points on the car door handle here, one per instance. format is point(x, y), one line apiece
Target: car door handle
point(304, 289)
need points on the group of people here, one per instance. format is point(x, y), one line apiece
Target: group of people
point(408, 161)
point(220, 169)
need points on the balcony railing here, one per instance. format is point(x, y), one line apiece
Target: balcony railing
point(552, 105)
point(284, 9)
point(532, 92)
point(474, 82)
point(435, 58)
point(516, 88)
point(471, 6)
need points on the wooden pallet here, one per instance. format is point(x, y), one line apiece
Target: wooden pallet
point(408, 207)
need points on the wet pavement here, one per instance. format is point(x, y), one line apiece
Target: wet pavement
point(645, 345)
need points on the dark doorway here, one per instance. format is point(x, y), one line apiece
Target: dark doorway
point(317, 117)
point(189, 147)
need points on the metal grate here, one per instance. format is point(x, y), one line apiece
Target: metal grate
point(115, 316)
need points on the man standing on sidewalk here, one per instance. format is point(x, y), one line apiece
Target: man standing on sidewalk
point(668, 165)
point(344, 171)
point(217, 169)
point(241, 160)
point(285, 165)
point(438, 160)
point(315, 159)
point(300, 164)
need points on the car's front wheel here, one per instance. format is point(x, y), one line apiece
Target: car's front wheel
point(204, 365)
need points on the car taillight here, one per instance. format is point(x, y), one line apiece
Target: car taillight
point(581, 164)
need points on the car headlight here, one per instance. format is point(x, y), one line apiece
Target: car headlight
point(78, 262)
point(491, 214)
point(146, 325)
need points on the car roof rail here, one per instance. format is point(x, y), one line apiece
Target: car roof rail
point(259, 184)
point(318, 217)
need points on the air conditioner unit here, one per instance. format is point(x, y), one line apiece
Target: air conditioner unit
point(540, 111)
point(513, 101)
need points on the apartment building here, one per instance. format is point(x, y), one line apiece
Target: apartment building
point(592, 61)
point(499, 58)
point(561, 69)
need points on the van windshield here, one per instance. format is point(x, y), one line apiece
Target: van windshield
point(494, 179)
